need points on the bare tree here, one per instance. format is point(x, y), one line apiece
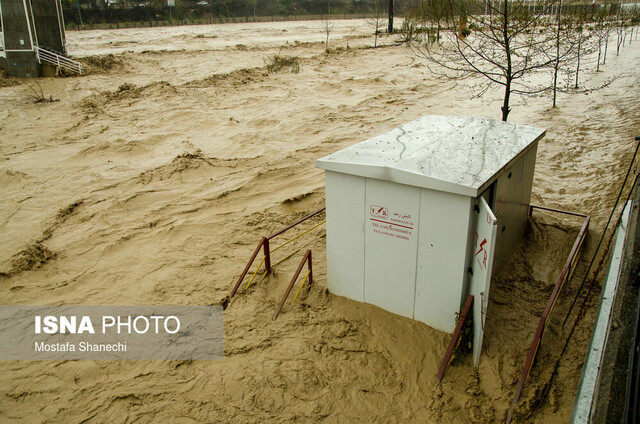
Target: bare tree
point(602, 28)
point(585, 38)
point(38, 95)
point(327, 27)
point(504, 45)
point(579, 32)
point(569, 42)
point(621, 22)
point(635, 19)
point(606, 41)
point(378, 21)
point(580, 49)
point(433, 15)
point(558, 56)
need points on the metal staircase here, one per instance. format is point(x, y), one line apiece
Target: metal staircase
point(54, 59)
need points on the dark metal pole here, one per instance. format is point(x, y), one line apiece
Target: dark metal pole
point(306, 259)
point(267, 256)
point(294, 224)
point(246, 269)
point(390, 29)
point(466, 311)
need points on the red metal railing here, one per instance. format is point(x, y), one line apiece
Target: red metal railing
point(466, 312)
point(264, 244)
point(277, 233)
point(565, 275)
point(307, 259)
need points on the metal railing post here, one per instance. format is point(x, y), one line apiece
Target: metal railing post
point(310, 262)
point(267, 256)
point(246, 269)
point(307, 259)
point(466, 312)
point(562, 278)
point(55, 59)
point(265, 245)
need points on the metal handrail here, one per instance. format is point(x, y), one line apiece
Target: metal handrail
point(311, 215)
point(564, 276)
point(264, 244)
point(43, 55)
point(305, 259)
point(466, 313)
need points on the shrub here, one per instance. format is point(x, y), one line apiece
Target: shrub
point(279, 63)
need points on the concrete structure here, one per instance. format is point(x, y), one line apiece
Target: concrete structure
point(27, 26)
point(419, 217)
point(584, 408)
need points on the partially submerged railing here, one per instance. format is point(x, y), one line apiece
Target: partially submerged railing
point(306, 259)
point(264, 244)
point(55, 59)
point(455, 337)
point(564, 276)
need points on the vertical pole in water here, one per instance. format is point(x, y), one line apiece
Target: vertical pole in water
point(267, 256)
point(390, 29)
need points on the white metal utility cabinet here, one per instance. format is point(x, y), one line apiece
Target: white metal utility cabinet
point(417, 218)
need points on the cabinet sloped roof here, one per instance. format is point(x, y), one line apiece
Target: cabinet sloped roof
point(453, 154)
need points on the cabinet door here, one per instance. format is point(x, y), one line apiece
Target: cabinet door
point(391, 245)
point(484, 247)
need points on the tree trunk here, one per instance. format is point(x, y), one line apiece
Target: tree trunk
point(555, 83)
point(509, 73)
point(556, 64)
point(505, 103)
point(606, 47)
point(578, 67)
point(599, 53)
point(619, 41)
point(375, 41)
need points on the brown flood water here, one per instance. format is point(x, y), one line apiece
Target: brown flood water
point(155, 175)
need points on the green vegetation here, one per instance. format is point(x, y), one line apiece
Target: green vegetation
point(280, 63)
point(464, 344)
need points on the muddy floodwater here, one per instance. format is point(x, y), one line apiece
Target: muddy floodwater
point(153, 176)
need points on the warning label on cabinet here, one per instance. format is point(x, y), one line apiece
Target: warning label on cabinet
point(390, 223)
